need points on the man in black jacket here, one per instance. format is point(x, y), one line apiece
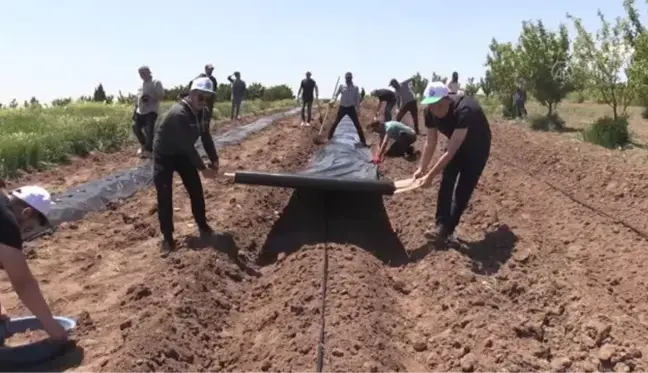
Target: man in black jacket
point(308, 91)
point(174, 151)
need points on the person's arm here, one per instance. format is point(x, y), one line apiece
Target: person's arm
point(406, 81)
point(316, 92)
point(428, 149)
point(380, 105)
point(454, 143)
point(230, 79)
point(188, 146)
point(25, 285)
point(208, 141)
point(384, 146)
point(336, 95)
point(358, 100)
point(301, 87)
point(159, 90)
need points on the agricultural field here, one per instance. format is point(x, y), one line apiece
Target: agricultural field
point(552, 277)
point(34, 138)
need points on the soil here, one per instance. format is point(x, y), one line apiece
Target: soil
point(549, 275)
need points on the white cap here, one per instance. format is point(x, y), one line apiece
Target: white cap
point(434, 93)
point(203, 84)
point(36, 197)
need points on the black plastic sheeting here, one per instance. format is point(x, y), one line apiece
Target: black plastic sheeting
point(340, 165)
point(74, 204)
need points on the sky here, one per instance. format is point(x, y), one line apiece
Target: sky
point(53, 49)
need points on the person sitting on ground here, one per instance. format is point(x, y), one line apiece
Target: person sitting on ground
point(22, 211)
point(386, 101)
point(174, 151)
point(149, 96)
point(406, 101)
point(308, 91)
point(238, 93)
point(462, 120)
point(349, 105)
point(453, 86)
point(399, 136)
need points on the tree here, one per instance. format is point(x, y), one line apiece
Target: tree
point(471, 88)
point(33, 102)
point(99, 94)
point(254, 91)
point(419, 83)
point(13, 104)
point(438, 78)
point(486, 85)
point(544, 63)
point(633, 27)
point(601, 58)
point(278, 92)
point(503, 66)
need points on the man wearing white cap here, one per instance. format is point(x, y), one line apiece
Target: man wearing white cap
point(21, 211)
point(174, 151)
point(461, 119)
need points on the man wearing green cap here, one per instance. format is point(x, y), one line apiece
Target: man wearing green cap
point(462, 120)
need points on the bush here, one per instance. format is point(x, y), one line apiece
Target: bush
point(608, 132)
point(552, 122)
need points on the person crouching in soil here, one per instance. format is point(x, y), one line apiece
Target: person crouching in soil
point(399, 135)
point(21, 211)
point(174, 151)
point(462, 120)
point(349, 105)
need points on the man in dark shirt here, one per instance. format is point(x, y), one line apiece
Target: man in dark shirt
point(388, 98)
point(462, 120)
point(307, 87)
point(238, 93)
point(21, 211)
point(174, 151)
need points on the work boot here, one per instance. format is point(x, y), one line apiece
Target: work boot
point(166, 247)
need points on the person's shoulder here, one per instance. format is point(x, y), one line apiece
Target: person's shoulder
point(467, 103)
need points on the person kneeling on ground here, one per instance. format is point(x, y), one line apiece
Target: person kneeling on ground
point(174, 151)
point(400, 135)
point(462, 120)
point(22, 211)
point(349, 105)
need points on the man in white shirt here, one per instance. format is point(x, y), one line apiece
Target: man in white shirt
point(149, 96)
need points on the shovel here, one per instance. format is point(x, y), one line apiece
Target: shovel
point(319, 139)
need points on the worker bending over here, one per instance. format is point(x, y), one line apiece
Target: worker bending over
point(406, 101)
point(399, 136)
point(349, 105)
point(22, 211)
point(386, 102)
point(174, 151)
point(461, 119)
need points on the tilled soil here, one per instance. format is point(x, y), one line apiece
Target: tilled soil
point(541, 281)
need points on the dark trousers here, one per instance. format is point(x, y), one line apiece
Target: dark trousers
point(389, 106)
point(163, 169)
point(403, 145)
point(236, 107)
point(307, 104)
point(353, 114)
point(459, 180)
point(412, 108)
point(143, 128)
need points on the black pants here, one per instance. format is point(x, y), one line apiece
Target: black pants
point(389, 106)
point(307, 104)
point(404, 145)
point(143, 127)
point(164, 167)
point(351, 112)
point(464, 171)
point(412, 108)
point(236, 107)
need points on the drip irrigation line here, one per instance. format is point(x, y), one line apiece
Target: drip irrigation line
point(322, 334)
point(636, 230)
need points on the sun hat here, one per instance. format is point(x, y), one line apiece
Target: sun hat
point(37, 198)
point(202, 84)
point(434, 93)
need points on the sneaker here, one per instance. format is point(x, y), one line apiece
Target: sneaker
point(302, 124)
point(166, 247)
point(438, 235)
point(307, 124)
point(139, 151)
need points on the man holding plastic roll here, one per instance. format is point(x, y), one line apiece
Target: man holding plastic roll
point(174, 151)
point(462, 120)
point(21, 211)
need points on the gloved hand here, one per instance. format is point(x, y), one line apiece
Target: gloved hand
point(377, 159)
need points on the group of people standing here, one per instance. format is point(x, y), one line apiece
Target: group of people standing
point(151, 93)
